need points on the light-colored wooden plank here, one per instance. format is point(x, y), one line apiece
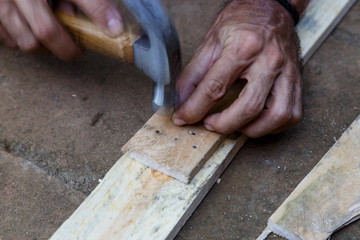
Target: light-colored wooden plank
point(145, 198)
point(317, 24)
point(135, 202)
point(174, 151)
point(329, 196)
point(178, 152)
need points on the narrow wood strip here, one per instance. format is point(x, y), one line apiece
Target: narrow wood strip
point(178, 152)
point(121, 195)
point(321, 17)
point(329, 196)
point(134, 201)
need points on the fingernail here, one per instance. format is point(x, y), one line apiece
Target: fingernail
point(209, 127)
point(179, 122)
point(115, 27)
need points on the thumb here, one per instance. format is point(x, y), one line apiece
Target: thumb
point(104, 14)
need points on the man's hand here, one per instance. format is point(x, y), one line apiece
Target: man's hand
point(253, 40)
point(31, 25)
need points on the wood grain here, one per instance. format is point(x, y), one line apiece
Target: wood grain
point(329, 196)
point(88, 36)
point(178, 152)
point(177, 158)
point(317, 24)
point(134, 201)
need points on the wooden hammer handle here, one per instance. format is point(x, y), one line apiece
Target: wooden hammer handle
point(88, 36)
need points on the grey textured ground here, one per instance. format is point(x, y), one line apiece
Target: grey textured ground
point(62, 126)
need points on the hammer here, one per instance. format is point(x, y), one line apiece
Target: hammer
point(157, 53)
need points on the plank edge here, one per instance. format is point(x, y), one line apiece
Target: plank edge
point(240, 141)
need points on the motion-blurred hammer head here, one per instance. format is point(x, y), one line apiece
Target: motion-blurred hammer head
point(158, 52)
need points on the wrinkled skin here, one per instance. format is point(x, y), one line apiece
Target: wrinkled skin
point(252, 40)
point(31, 26)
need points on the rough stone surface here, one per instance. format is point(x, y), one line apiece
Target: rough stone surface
point(70, 120)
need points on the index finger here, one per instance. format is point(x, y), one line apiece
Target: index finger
point(47, 29)
point(210, 90)
point(251, 101)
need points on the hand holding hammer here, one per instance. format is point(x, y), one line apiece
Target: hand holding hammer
point(157, 52)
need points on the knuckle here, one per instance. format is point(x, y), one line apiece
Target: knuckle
point(45, 32)
point(252, 42)
point(254, 108)
point(277, 58)
point(216, 89)
point(282, 115)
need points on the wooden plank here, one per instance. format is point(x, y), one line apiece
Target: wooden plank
point(174, 151)
point(134, 201)
point(153, 204)
point(178, 152)
point(329, 196)
point(316, 25)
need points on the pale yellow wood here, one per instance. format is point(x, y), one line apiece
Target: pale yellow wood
point(178, 152)
point(329, 196)
point(134, 202)
point(177, 159)
point(320, 19)
point(88, 36)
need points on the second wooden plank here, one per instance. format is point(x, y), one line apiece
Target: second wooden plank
point(178, 152)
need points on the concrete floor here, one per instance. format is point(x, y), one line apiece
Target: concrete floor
point(62, 126)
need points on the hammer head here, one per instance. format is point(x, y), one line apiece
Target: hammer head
point(158, 52)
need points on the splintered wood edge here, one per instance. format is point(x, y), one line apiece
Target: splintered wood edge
point(65, 228)
point(341, 149)
point(312, 33)
point(168, 209)
point(238, 144)
point(185, 178)
point(311, 39)
point(163, 146)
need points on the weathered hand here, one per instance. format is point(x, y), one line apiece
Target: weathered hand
point(32, 26)
point(253, 40)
